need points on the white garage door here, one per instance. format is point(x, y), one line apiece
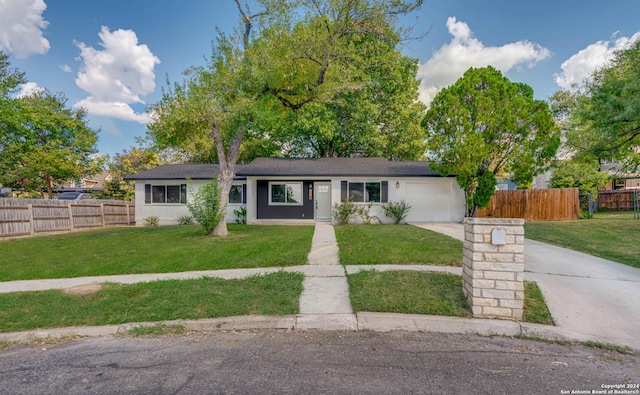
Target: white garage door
point(430, 201)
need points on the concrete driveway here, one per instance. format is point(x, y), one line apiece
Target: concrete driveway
point(593, 298)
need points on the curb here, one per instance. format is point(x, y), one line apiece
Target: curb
point(365, 321)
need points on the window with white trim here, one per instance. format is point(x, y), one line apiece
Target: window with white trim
point(285, 193)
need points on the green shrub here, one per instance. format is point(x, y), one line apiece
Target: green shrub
point(151, 220)
point(344, 211)
point(205, 206)
point(397, 211)
point(585, 214)
point(185, 220)
point(363, 212)
point(241, 215)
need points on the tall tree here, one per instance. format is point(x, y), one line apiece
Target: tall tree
point(485, 124)
point(345, 87)
point(44, 143)
point(609, 110)
point(293, 72)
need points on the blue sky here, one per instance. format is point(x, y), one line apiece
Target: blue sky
point(112, 57)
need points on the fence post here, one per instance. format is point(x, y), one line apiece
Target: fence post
point(70, 215)
point(126, 206)
point(31, 225)
point(102, 213)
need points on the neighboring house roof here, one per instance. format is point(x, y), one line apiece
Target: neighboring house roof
point(320, 167)
point(615, 170)
point(95, 181)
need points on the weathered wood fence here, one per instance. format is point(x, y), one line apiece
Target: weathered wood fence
point(27, 217)
point(618, 200)
point(534, 205)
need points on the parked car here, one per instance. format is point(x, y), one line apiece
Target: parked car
point(74, 196)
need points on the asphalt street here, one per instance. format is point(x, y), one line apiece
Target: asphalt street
point(312, 362)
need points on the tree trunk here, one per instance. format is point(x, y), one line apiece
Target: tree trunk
point(48, 181)
point(227, 163)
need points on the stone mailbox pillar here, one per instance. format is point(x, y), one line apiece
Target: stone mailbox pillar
point(493, 267)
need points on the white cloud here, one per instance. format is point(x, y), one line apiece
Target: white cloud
point(66, 68)
point(581, 64)
point(21, 26)
point(28, 89)
point(450, 62)
point(119, 74)
point(118, 110)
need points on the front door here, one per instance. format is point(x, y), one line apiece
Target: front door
point(323, 201)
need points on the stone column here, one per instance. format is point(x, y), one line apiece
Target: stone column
point(493, 267)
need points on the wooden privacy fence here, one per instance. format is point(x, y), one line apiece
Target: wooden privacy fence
point(27, 217)
point(618, 200)
point(534, 205)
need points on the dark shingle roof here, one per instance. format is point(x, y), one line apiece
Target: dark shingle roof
point(284, 167)
point(336, 167)
point(180, 172)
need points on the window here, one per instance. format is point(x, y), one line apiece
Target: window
point(285, 193)
point(364, 192)
point(237, 194)
point(158, 194)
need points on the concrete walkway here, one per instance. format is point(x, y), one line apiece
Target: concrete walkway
point(325, 301)
point(590, 298)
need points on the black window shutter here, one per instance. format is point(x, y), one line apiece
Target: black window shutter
point(384, 192)
point(343, 191)
point(244, 194)
point(147, 193)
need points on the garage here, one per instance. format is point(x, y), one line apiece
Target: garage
point(432, 201)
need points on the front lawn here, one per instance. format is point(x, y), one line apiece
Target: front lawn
point(152, 250)
point(396, 244)
point(432, 293)
point(612, 235)
point(272, 294)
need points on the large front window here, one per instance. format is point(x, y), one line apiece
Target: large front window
point(175, 194)
point(364, 192)
point(289, 193)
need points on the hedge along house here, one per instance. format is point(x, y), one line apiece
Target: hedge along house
point(274, 189)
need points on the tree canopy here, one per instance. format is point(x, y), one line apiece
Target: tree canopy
point(42, 141)
point(324, 78)
point(484, 125)
point(607, 110)
point(576, 173)
point(131, 161)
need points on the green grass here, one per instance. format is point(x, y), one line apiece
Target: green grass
point(430, 293)
point(535, 308)
point(157, 330)
point(610, 347)
point(408, 293)
point(608, 235)
point(396, 244)
point(152, 250)
point(272, 294)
